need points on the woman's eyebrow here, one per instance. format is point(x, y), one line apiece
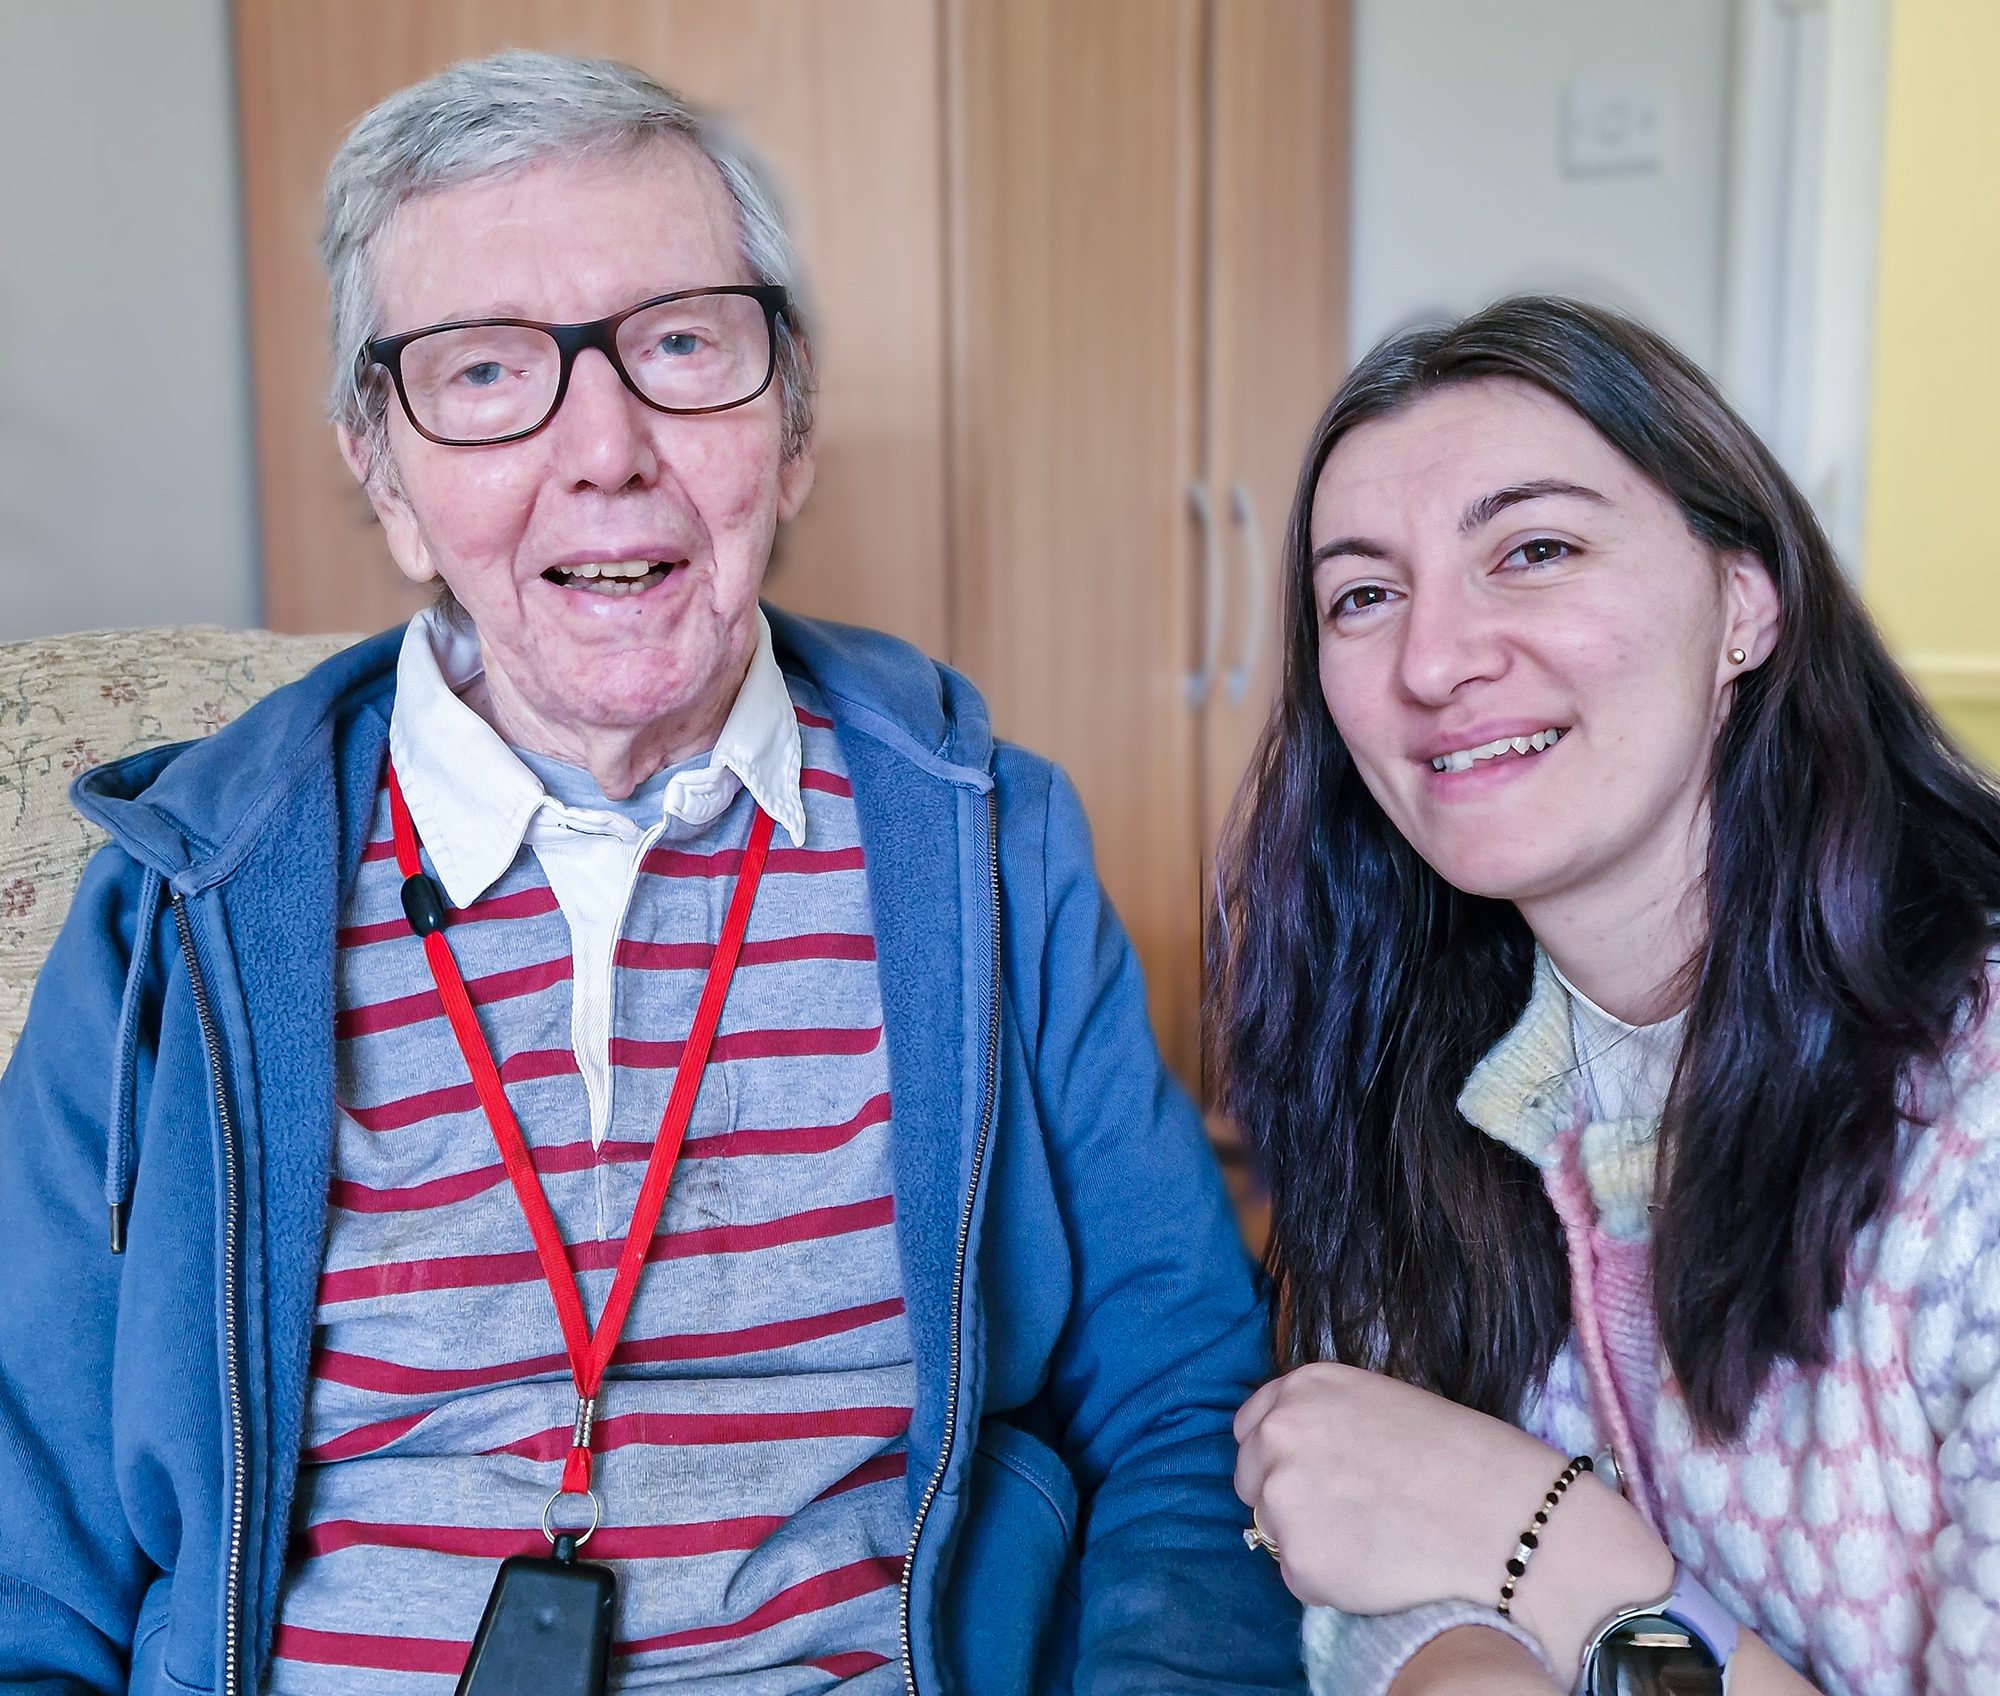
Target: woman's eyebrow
point(1358, 547)
point(1480, 512)
point(1489, 507)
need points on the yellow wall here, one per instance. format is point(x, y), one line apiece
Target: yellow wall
point(1931, 553)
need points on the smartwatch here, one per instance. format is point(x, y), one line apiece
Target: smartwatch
point(1677, 1646)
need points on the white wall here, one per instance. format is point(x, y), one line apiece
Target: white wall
point(1460, 192)
point(125, 458)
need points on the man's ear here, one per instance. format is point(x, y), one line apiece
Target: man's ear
point(392, 507)
point(795, 481)
point(1753, 611)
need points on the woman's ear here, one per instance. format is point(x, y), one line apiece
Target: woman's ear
point(1751, 610)
point(392, 507)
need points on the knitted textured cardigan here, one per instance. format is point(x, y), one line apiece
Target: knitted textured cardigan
point(1855, 1523)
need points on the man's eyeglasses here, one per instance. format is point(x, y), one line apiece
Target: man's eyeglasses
point(498, 379)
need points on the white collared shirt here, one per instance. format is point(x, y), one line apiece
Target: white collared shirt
point(475, 804)
point(1626, 1070)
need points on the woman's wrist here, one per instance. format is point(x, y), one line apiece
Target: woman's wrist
point(1596, 1555)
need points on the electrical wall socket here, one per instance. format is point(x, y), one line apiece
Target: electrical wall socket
point(1612, 124)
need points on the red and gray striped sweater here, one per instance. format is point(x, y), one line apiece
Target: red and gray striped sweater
point(752, 1428)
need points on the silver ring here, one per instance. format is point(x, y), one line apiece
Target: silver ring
point(1256, 1537)
point(582, 1537)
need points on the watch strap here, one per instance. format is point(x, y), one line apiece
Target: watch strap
point(1691, 1604)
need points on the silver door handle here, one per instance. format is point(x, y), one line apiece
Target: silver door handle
point(1198, 683)
point(1256, 597)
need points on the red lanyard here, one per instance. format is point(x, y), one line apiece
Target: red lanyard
point(589, 1353)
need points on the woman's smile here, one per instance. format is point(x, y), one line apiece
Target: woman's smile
point(1480, 753)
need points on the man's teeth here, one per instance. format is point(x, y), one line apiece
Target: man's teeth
point(610, 568)
point(611, 576)
point(1465, 758)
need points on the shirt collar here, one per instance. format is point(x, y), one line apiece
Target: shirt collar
point(473, 800)
point(759, 747)
point(1625, 1070)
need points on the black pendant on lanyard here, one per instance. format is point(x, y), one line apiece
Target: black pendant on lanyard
point(546, 1630)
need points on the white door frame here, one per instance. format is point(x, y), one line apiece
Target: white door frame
point(1804, 206)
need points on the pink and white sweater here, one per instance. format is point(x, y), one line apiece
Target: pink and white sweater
point(1855, 1523)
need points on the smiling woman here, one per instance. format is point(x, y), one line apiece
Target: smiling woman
point(1605, 988)
point(1473, 618)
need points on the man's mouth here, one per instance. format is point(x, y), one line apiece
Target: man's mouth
point(612, 576)
point(1464, 759)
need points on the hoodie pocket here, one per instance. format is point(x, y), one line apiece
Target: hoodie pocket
point(1015, 1552)
point(149, 1675)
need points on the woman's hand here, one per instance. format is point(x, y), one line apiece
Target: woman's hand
point(1382, 1497)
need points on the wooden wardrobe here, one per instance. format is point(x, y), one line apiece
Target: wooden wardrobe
point(1077, 276)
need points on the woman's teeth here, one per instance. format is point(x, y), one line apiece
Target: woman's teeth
point(1465, 758)
point(610, 576)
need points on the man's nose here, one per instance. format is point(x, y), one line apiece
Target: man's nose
point(1449, 640)
point(602, 435)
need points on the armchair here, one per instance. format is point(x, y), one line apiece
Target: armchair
point(70, 702)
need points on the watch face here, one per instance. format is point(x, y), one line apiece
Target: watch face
point(1652, 1655)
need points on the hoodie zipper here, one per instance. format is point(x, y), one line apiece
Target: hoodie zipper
point(232, 1231)
point(964, 1237)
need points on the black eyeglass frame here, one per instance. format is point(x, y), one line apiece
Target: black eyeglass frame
point(570, 340)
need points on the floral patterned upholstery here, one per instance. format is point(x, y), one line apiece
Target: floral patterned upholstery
point(71, 702)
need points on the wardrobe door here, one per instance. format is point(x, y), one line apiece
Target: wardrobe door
point(1075, 212)
point(1273, 348)
point(844, 102)
point(1275, 304)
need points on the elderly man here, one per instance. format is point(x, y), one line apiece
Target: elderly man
point(607, 1080)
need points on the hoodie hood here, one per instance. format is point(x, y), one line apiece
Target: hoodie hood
point(189, 810)
point(882, 687)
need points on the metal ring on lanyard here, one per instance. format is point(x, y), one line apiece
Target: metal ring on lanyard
point(582, 1537)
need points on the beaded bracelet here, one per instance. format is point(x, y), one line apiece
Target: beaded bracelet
point(1531, 1538)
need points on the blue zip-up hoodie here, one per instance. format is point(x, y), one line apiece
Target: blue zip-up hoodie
point(1082, 1314)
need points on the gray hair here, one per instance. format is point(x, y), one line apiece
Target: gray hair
point(483, 118)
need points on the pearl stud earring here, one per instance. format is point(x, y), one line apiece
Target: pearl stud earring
point(1737, 656)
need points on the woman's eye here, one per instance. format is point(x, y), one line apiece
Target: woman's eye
point(1543, 550)
point(1358, 599)
point(679, 343)
point(483, 375)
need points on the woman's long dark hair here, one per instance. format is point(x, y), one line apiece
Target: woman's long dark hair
point(1853, 873)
